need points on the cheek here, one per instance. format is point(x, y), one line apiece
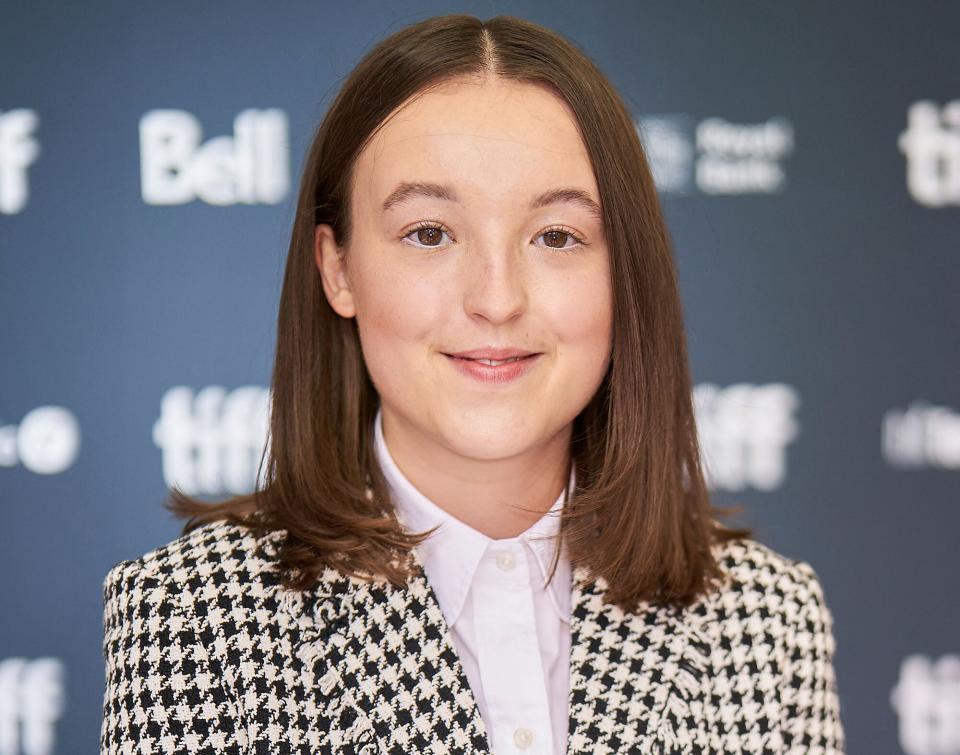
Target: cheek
point(583, 316)
point(395, 323)
point(578, 317)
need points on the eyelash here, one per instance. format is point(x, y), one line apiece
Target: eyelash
point(560, 228)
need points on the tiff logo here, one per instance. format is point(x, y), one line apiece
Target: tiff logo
point(18, 150)
point(46, 441)
point(249, 167)
point(931, 144)
point(927, 701)
point(31, 701)
point(744, 430)
point(922, 436)
point(211, 442)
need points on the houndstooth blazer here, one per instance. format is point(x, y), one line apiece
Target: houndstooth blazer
point(206, 653)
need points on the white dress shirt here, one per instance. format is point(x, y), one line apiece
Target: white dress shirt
point(512, 634)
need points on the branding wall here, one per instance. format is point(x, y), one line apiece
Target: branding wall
point(808, 159)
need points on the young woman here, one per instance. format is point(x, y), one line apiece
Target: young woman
point(484, 526)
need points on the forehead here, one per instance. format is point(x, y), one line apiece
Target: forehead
point(495, 134)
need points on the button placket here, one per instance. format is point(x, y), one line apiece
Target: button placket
point(506, 560)
point(522, 737)
point(511, 666)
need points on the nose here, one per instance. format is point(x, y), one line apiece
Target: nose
point(496, 284)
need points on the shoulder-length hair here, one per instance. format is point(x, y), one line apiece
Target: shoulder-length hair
point(640, 515)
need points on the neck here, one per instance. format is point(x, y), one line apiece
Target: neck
point(499, 497)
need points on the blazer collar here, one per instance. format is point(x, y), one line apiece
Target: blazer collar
point(378, 666)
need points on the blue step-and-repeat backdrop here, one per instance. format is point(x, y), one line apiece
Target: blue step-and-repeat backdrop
point(808, 159)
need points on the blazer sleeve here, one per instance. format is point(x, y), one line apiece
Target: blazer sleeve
point(813, 725)
point(162, 692)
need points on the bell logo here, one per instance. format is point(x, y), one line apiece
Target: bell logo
point(250, 167)
point(31, 702)
point(18, 150)
point(932, 146)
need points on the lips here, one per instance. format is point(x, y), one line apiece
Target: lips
point(493, 362)
point(498, 353)
point(499, 373)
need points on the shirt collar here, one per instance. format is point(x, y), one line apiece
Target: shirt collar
point(451, 555)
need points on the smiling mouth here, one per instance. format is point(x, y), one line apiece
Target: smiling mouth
point(493, 362)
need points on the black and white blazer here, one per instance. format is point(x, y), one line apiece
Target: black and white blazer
point(206, 653)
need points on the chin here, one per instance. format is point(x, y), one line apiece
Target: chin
point(486, 433)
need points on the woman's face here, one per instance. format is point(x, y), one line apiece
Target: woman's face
point(474, 261)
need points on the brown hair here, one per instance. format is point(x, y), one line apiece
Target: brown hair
point(640, 515)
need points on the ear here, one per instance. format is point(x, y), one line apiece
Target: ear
point(330, 263)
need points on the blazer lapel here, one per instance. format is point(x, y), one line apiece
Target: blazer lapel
point(638, 680)
point(380, 671)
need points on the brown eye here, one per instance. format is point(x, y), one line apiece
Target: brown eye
point(427, 235)
point(556, 236)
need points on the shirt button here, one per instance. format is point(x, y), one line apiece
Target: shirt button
point(506, 560)
point(523, 737)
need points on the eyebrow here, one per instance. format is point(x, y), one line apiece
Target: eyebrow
point(571, 195)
